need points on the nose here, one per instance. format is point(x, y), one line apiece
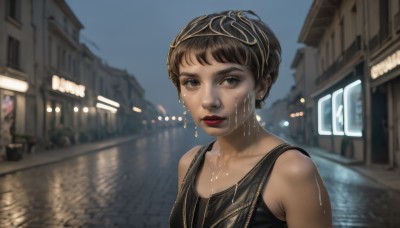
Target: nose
point(210, 98)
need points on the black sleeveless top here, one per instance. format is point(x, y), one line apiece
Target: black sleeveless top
point(248, 209)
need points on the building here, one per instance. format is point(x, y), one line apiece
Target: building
point(17, 73)
point(357, 88)
point(302, 110)
point(383, 43)
point(52, 87)
point(336, 30)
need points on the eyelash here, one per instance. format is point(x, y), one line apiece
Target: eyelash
point(233, 80)
point(191, 82)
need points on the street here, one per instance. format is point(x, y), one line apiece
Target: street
point(135, 184)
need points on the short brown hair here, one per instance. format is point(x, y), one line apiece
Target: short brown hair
point(229, 37)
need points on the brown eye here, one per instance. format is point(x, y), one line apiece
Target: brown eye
point(190, 82)
point(231, 81)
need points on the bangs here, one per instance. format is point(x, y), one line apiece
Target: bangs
point(222, 49)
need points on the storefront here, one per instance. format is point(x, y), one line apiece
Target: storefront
point(340, 116)
point(385, 108)
point(66, 110)
point(12, 104)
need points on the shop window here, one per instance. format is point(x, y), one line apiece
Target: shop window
point(337, 111)
point(7, 119)
point(325, 115)
point(13, 53)
point(352, 95)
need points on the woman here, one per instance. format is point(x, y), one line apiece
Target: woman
point(223, 66)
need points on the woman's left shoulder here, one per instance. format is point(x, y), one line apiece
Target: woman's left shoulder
point(295, 165)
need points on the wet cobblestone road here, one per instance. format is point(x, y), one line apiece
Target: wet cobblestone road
point(135, 184)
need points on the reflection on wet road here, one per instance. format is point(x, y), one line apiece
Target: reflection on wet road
point(135, 184)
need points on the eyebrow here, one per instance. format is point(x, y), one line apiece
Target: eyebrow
point(221, 72)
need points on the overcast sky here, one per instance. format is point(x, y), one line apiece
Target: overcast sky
point(135, 35)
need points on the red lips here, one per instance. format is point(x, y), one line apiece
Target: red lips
point(213, 121)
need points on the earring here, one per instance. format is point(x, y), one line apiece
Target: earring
point(184, 115)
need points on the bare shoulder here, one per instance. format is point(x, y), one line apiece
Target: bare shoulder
point(185, 162)
point(187, 158)
point(294, 165)
point(302, 193)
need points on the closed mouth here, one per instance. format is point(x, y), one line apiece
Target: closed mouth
point(213, 120)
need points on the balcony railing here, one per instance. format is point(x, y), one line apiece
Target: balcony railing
point(348, 54)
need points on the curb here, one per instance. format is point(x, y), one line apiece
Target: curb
point(67, 156)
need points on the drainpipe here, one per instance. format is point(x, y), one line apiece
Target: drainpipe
point(367, 91)
point(390, 126)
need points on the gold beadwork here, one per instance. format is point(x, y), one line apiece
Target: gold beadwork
point(250, 33)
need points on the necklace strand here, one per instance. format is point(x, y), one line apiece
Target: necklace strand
point(215, 177)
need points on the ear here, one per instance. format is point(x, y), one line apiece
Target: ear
point(262, 87)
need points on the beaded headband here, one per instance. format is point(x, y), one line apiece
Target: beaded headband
point(248, 32)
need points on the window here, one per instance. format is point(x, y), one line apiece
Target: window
point(328, 61)
point(337, 112)
point(69, 62)
point(59, 58)
point(383, 19)
point(325, 115)
point(101, 86)
point(340, 113)
point(14, 9)
point(322, 66)
point(333, 46)
point(354, 20)
point(353, 109)
point(50, 52)
point(341, 35)
point(13, 53)
point(64, 59)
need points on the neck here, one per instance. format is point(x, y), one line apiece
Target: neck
point(239, 141)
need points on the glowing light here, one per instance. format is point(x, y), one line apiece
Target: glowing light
point(13, 84)
point(66, 86)
point(57, 109)
point(179, 118)
point(166, 118)
point(321, 117)
point(348, 129)
point(85, 109)
point(173, 118)
point(136, 109)
point(337, 111)
point(49, 109)
point(106, 107)
point(302, 100)
point(386, 65)
point(76, 109)
point(258, 117)
point(285, 123)
point(292, 115)
point(160, 118)
point(108, 101)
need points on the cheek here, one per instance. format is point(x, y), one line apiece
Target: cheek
point(241, 99)
point(188, 101)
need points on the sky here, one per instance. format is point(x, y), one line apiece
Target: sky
point(135, 35)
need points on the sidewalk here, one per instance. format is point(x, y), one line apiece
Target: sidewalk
point(55, 155)
point(377, 173)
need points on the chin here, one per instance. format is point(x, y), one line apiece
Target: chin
point(216, 132)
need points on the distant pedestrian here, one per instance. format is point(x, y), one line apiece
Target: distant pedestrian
point(223, 66)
